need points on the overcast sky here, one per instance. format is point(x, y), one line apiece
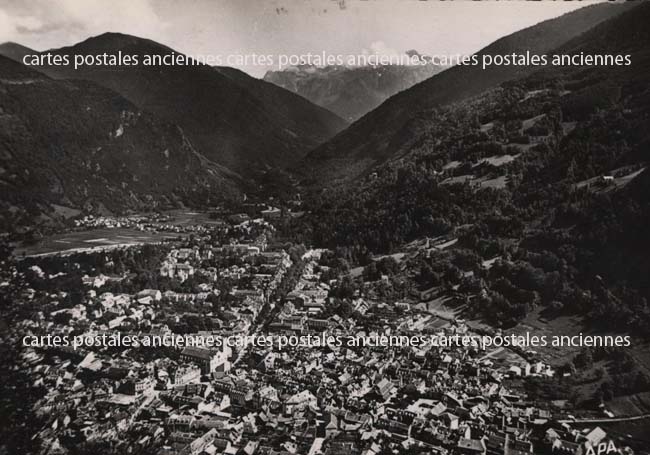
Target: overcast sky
point(225, 27)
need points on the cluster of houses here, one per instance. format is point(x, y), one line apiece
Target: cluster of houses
point(152, 222)
point(327, 399)
point(139, 222)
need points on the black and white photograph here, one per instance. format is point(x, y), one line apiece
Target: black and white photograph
point(324, 227)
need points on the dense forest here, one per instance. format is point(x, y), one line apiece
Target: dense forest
point(545, 173)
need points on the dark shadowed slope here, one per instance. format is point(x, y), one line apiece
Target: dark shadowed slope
point(548, 172)
point(15, 51)
point(79, 145)
point(296, 112)
point(230, 123)
point(374, 137)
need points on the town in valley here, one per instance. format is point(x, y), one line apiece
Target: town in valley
point(235, 275)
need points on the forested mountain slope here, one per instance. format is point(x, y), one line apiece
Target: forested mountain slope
point(546, 173)
point(378, 135)
point(76, 145)
point(238, 122)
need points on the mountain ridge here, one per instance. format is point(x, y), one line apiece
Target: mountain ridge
point(78, 145)
point(350, 92)
point(367, 142)
point(530, 197)
point(229, 122)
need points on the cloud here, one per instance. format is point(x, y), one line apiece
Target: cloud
point(248, 26)
point(380, 48)
point(29, 23)
point(41, 24)
point(116, 15)
point(42, 29)
point(6, 26)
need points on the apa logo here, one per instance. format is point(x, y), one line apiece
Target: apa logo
point(602, 448)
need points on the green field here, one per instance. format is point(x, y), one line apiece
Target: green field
point(79, 240)
point(70, 242)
